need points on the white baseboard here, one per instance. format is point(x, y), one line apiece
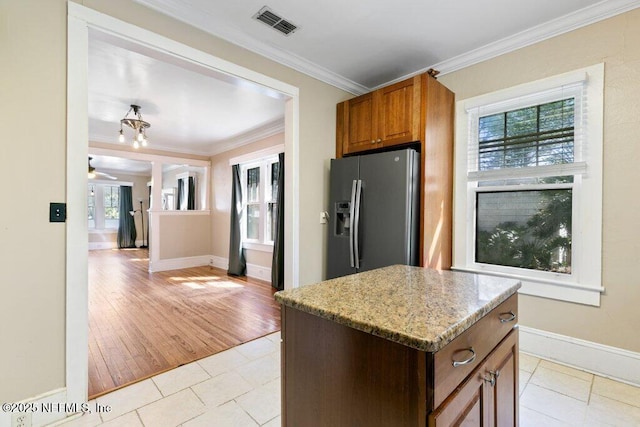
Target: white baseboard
point(219, 262)
point(612, 362)
point(259, 272)
point(94, 246)
point(178, 263)
point(253, 270)
point(42, 409)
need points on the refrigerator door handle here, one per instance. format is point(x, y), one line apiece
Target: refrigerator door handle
point(354, 231)
point(351, 222)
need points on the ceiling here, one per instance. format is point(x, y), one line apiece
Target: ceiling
point(362, 44)
point(115, 165)
point(191, 109)
point(354, 45)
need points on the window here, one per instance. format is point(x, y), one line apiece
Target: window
point(529, 185)
point(103, 206)
point(260, 190)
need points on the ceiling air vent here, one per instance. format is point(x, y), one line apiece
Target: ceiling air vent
point(275, 21)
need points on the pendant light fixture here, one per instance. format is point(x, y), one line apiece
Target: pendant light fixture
point(138, 125)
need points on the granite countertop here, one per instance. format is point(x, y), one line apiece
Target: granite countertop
point(417, 307)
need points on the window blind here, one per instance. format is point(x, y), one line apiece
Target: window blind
point(532, 136)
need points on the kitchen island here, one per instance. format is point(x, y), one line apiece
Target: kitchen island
point(400, 346)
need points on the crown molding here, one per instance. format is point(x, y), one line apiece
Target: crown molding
point(564, 24)
point(108, 139)
point(249, 137)
point(209, 24)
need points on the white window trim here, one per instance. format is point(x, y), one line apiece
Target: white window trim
point(261, 159)
point(99, 220)
point(584, 285)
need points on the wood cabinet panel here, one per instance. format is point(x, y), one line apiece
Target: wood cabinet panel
point(482, 337)
point(334, 375)
point(360, 124)
point(504, 394)
point(383, 118)
point(397, 104)
point(466, 407)
point(488, 397)
point(437, 174)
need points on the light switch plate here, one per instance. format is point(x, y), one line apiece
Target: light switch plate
point(57, 212)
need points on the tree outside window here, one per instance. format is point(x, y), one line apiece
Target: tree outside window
point(521, 226)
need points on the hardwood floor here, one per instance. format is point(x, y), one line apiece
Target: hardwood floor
point(141, 323)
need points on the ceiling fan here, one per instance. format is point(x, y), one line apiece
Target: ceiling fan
point(93, 173)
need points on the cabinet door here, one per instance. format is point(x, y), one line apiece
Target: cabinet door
point(502, 364)
point(399, 112)
point(466, 406)
point(489, 396)
point(359, 126)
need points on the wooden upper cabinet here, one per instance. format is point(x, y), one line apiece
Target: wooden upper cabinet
point(382, 118)
point(359, 123)
point(399, 112)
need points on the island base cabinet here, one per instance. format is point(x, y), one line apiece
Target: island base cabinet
point(489, 396)
point(334, 375)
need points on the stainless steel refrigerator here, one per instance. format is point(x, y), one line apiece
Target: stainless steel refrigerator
point(374, 212)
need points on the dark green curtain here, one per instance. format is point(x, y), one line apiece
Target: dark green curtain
point(277, 263)
point(237, 263)
point(191, 197)
point(127, 226)
point(180, 195)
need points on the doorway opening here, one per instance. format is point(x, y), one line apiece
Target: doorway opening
point(82, 22)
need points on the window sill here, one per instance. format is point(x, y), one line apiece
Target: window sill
point(256, 246)
point(552, 289)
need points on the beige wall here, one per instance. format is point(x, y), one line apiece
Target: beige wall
point(184, 235)
point(32, 272)
point(221, 200)
point(615, 42)
point(33, 85)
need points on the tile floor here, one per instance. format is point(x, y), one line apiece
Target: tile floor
point(241, 387)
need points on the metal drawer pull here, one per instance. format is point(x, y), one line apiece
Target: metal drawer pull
point(466, 361)
point(511, 318)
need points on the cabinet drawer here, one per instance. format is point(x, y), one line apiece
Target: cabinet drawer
point(480, 402)
point(480, 338)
